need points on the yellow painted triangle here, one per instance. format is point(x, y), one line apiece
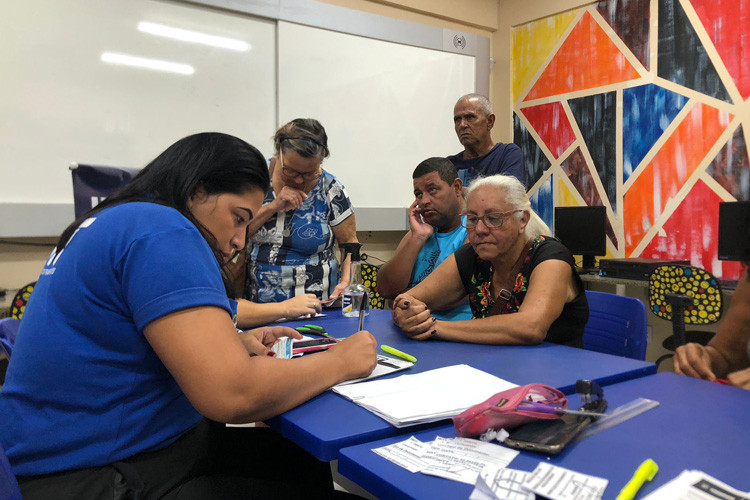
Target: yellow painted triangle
point(565, 197)
point(531, 46)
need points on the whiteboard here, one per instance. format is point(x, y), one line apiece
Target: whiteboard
point(385, 106)
point(59, 102)
point(384, 90)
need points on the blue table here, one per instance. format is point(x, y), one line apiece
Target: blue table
point(329, 422)
point(698, 425)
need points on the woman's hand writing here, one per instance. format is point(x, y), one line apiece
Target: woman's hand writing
point(357, 354)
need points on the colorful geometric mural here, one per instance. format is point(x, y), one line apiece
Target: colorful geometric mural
point(685, 233)
point(647, 112)
point(629, 19)
point(542, 202)
point(578, 173)
point(731, 168)
point(682, 57)
point(587, 59)
point(661, 142)
point(727, 22)
point(552, 125)
point(534, 159)
point(596, 116)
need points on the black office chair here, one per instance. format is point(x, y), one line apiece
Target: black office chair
point(684, 295)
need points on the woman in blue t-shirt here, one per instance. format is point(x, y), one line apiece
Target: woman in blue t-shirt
point(305, 212)
point(127, 363)
point(521, 284)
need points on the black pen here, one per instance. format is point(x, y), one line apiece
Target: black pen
point(362, 306)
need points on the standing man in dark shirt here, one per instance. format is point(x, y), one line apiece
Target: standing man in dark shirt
point(473, 120)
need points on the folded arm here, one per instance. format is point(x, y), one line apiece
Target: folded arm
point(551, 286)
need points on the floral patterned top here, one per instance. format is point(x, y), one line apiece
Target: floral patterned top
point(476, 275)
point(293, 252)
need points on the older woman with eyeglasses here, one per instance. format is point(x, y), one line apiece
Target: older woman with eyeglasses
point(291, 259)
point(522, 285)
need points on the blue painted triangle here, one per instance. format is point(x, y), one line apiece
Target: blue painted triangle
point(647, 112)
point(542, 202)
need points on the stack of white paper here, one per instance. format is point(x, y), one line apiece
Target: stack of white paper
point(425, 397)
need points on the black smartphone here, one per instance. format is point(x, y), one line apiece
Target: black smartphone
point(551, 436)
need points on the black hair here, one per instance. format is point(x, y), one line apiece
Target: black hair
point(215, 162)
point(304, 136)
point(443, 166)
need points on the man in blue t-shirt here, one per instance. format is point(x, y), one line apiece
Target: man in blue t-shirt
point(473, 120)
point(435, 233)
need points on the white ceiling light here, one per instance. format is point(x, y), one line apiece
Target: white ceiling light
point(142, 62)
point(193, 36)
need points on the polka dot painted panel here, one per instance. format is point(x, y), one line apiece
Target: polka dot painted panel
point(370, 280)
point(18, 306)
point(692, 282)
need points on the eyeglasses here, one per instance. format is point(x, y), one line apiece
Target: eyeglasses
point(291, 173)
point(491, 220)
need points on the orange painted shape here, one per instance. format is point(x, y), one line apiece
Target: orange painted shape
point(675, 162)
point(587, 59)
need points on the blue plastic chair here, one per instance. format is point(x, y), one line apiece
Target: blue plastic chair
point(9, 489)
point(8, 332)
point(617, 325)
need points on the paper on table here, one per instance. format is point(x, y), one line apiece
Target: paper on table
point(462, 459)
point(558, 483)
point(406, 454)
point(385, 366)
point(696, 485)
point(425, 397)
point(501, 483)
point(458, 459)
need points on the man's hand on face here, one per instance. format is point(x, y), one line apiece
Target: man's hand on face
point(419, 228)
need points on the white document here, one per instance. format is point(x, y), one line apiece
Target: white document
point(462, 459)
point(501, 483)
point(425, 397)
point(696, 485)
point(406, 454)
point(557, 483)
point(385, 366)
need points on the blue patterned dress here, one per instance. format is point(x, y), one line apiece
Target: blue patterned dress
point(293, 252)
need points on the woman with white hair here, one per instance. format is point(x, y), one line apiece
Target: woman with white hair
point(522, 285)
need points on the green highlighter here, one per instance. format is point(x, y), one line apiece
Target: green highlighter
point(397, 353)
